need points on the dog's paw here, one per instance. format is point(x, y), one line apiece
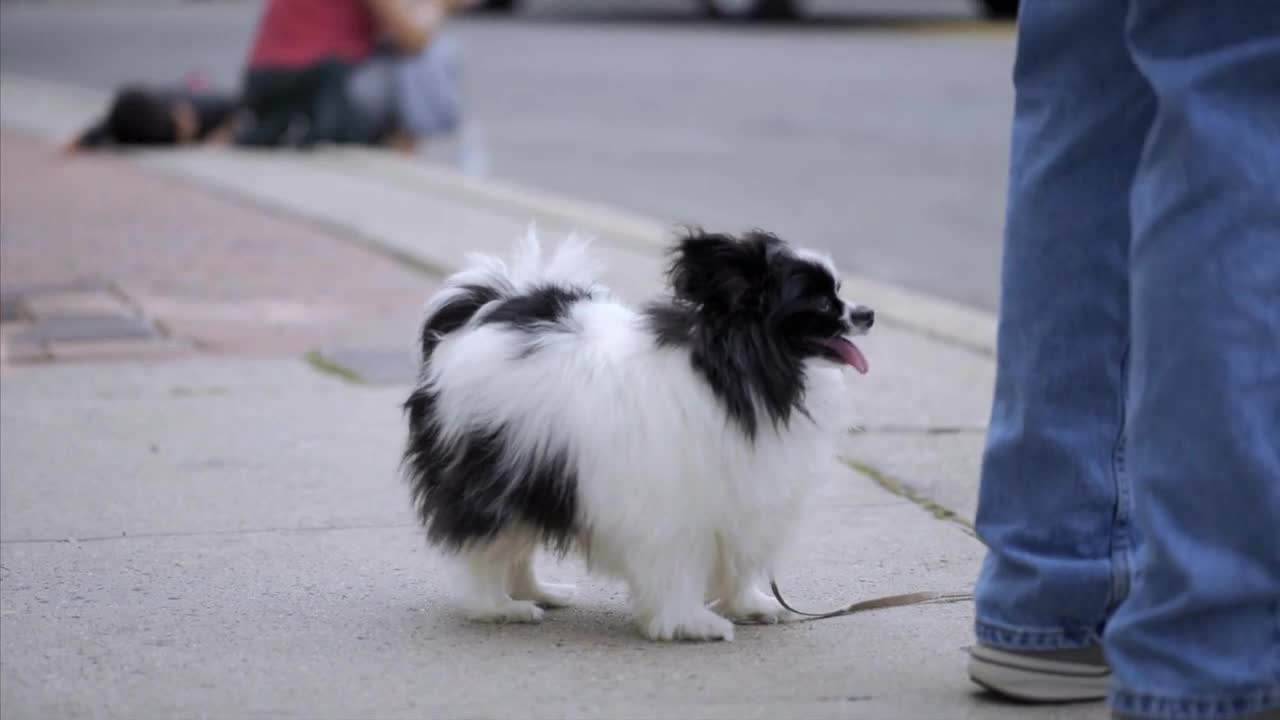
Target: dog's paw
point(758, 608)
point(701, 624)
point(547, 595)
point(511, 611)
point(772, 616)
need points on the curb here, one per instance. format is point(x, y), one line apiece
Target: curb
point(934, 317)
point(55, 112)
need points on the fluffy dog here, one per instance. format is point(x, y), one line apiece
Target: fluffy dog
point(673, 445)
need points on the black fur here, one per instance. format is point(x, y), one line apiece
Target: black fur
point(463, 491)
point(536, 309)
point(749, 312)
point(454, 315)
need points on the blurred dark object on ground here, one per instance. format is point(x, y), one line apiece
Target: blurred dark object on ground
point(146, 116)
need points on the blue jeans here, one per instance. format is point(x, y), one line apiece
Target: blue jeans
point(1131, 481)
point(418, 94)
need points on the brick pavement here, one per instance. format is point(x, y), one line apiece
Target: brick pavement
point(97, 237)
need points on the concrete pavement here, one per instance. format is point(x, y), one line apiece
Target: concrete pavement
point(233, 542)
point(224, 535)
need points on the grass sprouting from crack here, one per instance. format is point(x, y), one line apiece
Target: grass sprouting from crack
point(329, 367)
point(901, 489)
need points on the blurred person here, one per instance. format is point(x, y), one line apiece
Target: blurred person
point(351, 71)
point(156, 116)
point(1130, 494)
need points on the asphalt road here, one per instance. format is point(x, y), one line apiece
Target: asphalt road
point(877, 130)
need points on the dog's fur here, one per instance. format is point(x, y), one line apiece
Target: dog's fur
point(672, 445)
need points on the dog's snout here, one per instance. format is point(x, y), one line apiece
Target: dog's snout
point(862, 317)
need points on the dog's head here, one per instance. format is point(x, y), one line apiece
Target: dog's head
point(791, 295)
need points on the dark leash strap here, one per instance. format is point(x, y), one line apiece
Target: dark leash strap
point(888, 601)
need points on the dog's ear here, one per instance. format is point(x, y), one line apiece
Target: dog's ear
point(720, 272)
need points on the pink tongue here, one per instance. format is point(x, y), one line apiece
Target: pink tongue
point(849, 353)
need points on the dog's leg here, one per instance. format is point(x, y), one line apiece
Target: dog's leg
point(738, 588)
point(668, 584)
point(525, 586)
point(488, 572)
point(747, 602)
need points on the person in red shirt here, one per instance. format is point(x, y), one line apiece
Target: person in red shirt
point(350, 71)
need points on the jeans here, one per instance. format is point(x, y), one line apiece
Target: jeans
point(418, 94)
point(300, 107)
point(1131, 479)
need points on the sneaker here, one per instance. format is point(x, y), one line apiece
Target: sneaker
point(1041, 675)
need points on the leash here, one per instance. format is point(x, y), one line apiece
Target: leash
point(888, 601)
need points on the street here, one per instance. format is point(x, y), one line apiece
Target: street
point(874, 130)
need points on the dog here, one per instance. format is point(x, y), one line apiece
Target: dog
point(673, 445)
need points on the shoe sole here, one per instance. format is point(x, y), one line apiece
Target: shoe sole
point(1030, 679)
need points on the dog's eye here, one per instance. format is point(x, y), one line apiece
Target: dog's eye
point(824, 304)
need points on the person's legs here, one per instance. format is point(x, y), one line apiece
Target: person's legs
point(1199, 636)
point(369, 88)
point(1053, 506)
point(269, 99)
point(330, 113)
point(427, 90)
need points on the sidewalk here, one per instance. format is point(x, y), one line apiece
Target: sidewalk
point(218, 530)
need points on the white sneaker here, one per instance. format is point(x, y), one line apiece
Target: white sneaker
point(1041, 675)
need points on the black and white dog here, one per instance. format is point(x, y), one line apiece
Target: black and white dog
point(673, 445)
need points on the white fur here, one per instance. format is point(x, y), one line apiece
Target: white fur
point(675, 499)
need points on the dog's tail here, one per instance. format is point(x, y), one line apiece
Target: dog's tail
point(487, 279)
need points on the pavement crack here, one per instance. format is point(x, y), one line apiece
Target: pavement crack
point(979, 349)
point(317, 360)
point(901, 489)
point(917, 430)
point(846, 698)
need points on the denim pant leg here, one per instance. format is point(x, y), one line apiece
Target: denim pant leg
point(369, 89)
point(1199, 636)
point(1053, 506)
point(428, 89)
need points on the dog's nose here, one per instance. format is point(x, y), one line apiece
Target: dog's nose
point(862, 317)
